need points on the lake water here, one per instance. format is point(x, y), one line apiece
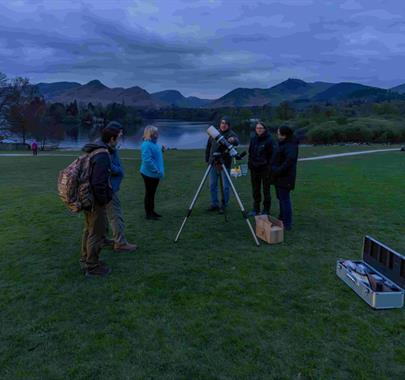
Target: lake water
point(173, 133)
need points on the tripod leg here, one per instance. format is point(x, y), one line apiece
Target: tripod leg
point(221, 185)
point(244, 213)
point(190, 209)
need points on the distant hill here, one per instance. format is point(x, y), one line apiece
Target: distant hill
point(341, 91)
point(292, 90)
point(96, 92)
point(399, 89)
point(50, 90)
point(242, 97)
point(300, 92)
point(289, 90)
point(176, 98)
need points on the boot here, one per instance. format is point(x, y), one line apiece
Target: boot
point(98, 271)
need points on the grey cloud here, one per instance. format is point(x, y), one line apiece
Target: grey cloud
point(206, 48)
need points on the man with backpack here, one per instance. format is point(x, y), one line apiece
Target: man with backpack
point(95, 225)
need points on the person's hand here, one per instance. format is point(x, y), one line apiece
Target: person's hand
point(232, 140)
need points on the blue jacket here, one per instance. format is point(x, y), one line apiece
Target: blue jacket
point(152, 159)
point(117, 171)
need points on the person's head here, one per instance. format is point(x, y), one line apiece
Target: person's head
point(150, 133)
point(110, 135)
point(260, 128)
point(224, 124)
point(118, 125)
point(284, 132)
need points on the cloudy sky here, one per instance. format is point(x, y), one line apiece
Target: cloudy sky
point(203, 47)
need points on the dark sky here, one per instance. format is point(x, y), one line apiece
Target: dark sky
point(204, 47)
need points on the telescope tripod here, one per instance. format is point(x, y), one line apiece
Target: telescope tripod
point(217, 162)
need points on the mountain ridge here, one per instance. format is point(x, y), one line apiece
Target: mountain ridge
point(291, 90)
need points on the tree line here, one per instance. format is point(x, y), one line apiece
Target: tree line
point(26, 114)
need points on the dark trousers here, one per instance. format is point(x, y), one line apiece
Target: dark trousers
point(95, 228)
point(151, 185)
point(261, 178)
point(283, 196)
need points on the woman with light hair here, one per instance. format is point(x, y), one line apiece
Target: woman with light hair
point(152, 169)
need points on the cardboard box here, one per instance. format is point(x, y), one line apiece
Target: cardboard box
point(269, 229)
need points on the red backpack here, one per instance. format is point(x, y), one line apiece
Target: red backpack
point(74, 186)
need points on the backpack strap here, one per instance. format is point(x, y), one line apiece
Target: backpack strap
point(98, 150)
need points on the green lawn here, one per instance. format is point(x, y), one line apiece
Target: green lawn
point(212, 306)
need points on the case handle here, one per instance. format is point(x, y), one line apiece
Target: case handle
point(350, 277)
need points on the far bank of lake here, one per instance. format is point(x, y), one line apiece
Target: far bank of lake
point(173, 133)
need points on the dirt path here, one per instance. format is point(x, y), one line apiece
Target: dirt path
point(347, 154)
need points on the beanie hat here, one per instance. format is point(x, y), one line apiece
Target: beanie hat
point(226, 119)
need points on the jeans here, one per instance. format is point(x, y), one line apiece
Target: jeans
point(261, 178)
point(116, 220)
point(151, 185)
point(283, 196)
point(214, 177)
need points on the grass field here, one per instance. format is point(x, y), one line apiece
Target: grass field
point(212, 306)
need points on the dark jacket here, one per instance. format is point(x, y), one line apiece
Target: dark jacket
point(213, 147)
point(284, 167)
point(100, 177)
point(260, 152)
point(117, 171)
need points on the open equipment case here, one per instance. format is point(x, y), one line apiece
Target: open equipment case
point(380, 277)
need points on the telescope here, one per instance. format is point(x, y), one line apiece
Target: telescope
point(230, 149)
point(219, 165)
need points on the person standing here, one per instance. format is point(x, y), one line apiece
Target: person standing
point(284, 171)
point(260, 158)
point(152, 169)
point(215, 147)
point(34, 148)
point(114, 212)
point(95, 220)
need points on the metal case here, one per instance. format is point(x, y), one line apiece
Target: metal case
point(382, 261)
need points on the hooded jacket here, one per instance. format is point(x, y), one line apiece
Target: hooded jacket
point(100, 173)
point(117, 171)
point(284, 167)
point(260, 152)
point(213, 146)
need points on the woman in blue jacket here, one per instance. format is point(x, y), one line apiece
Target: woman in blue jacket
point(152, 169)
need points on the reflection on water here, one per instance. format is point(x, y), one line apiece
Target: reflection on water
point(173, 133)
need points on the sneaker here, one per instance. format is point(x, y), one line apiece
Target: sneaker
point(213, 208)
point(156, 214)
point(98, 271)
point(125, 247)
point(221, 210)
